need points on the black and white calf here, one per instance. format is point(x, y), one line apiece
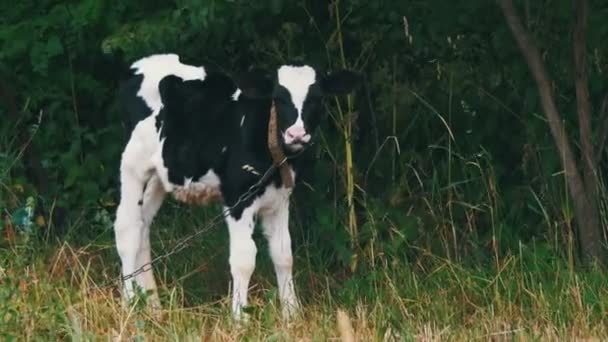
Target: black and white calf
point(196, 134)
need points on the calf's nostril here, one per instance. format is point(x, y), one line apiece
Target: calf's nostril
point(295, 133)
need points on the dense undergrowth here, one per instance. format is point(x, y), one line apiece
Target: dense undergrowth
point(434, 205)
point(68, 291)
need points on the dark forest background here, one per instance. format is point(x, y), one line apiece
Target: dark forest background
point(477, 134)
point(462, 186)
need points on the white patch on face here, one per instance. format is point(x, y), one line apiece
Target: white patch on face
point(242, 120)
point(297, 80)
point(154, 68)
point(294, 147)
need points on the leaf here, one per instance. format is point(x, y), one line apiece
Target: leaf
point(74, 173)
point(276, 6)
point(54, 47)
point(90, 137)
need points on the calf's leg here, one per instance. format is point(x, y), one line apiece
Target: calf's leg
point(129, 225)
point(276, 230)
point(242, 258)
point(153, 197)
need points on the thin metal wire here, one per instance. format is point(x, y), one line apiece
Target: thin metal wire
point(214, 221)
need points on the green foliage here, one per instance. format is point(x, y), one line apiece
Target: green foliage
point(474, 172)
point(61, 295)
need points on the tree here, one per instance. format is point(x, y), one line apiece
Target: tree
point(584, 188)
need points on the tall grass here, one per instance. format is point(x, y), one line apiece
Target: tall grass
point(444, 283)
point(418, 291)
point(68, 290)
point(346, 124)
point(61, 292)
point(440, 261)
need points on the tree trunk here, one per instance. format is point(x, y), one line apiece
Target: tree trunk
point(585, 202)
point(590, 239)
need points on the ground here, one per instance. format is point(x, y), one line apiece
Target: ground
point(66, 289)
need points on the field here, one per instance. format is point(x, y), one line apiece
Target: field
point(458, 194)
point(68, 291)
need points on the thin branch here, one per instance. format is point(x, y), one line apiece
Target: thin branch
point(588, 233)
point(603, 134)
point(539, 72)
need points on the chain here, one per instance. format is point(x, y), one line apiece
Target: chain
point(215, 220)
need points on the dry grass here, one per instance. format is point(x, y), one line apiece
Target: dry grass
point(58, 298)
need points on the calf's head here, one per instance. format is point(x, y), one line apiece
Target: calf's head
point(297, 92)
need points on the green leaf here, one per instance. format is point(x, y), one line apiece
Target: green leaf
point(54, 47)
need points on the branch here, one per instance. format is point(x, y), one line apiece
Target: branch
point(603, 130)
point(539, 72)
point(585, 214)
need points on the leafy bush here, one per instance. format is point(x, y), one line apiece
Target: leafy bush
point(449, 149)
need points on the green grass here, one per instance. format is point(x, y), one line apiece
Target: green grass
point(51, 291)
point(451, 267)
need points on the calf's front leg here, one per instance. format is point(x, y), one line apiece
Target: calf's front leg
point(242, 257)
point(276, 230)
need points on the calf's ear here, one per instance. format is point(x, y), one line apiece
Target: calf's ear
point(175, 92)
point(169, 88)
point(255, 84)
point(340, 82)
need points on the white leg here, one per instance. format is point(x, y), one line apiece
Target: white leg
point(152, 200)
point(242, 258)
point(129, 225)
point(276, 229)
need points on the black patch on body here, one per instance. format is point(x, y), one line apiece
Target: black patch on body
point(135, 106)
point(201, 127)
point(198, 120)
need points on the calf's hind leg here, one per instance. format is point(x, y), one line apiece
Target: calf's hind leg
point(129, 226)
point(153, 197)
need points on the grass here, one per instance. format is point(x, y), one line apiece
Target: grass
point(441, 266)
point(416, 279)
point(59, 291)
